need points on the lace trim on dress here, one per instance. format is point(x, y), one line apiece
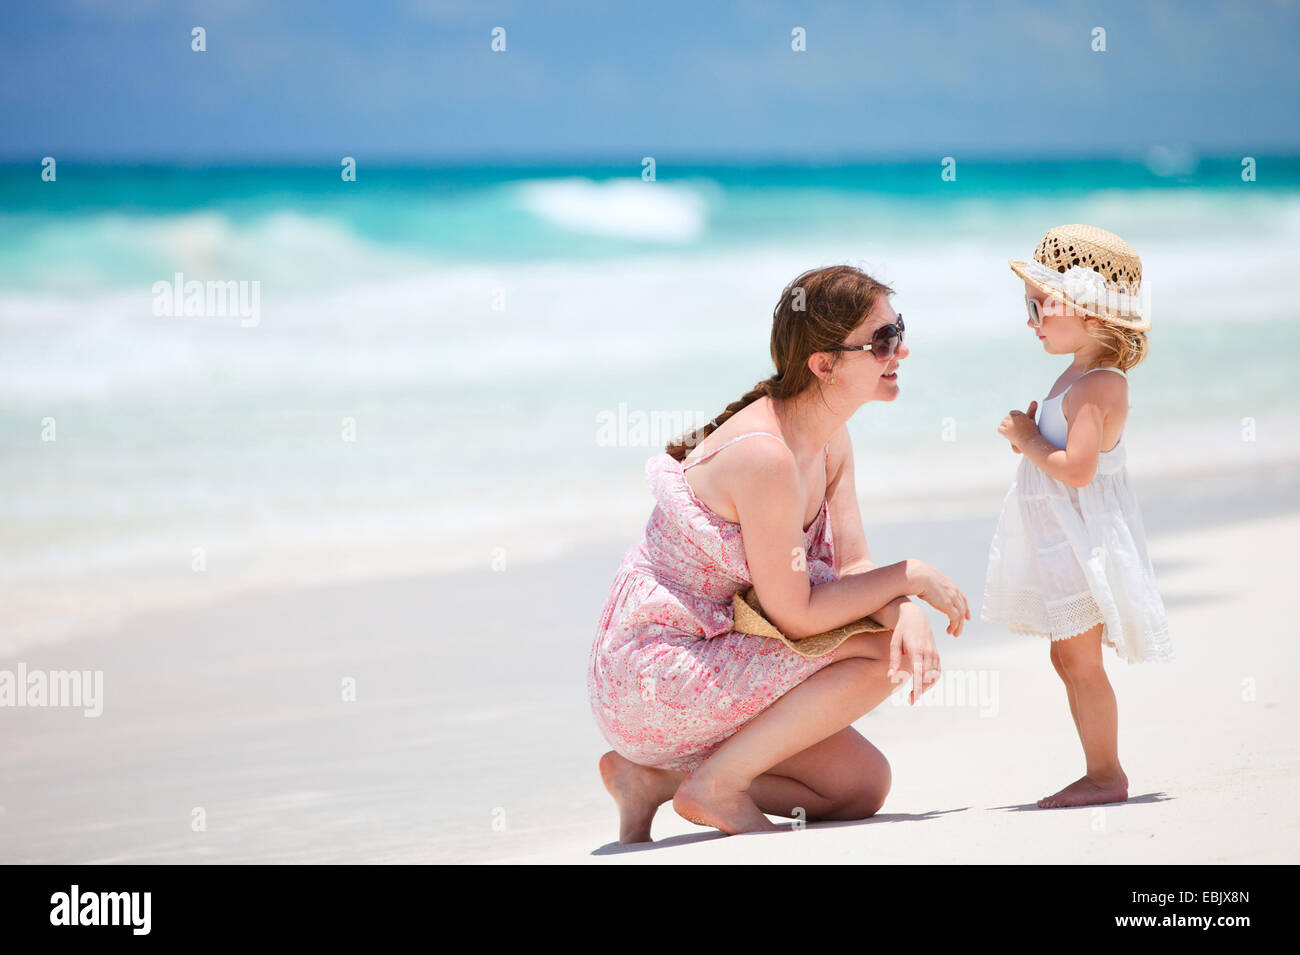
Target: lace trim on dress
point(1058, 620)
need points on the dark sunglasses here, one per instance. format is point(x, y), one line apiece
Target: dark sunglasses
point(884, 342)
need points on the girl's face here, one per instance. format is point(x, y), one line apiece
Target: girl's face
point(1062, 331)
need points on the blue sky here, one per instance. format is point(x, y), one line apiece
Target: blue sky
point(416, 79)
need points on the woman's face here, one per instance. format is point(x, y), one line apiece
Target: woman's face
point(873, 379)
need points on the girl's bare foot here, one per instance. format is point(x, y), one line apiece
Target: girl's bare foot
point(638, 791)
point(1088, 791)
point(706, 802)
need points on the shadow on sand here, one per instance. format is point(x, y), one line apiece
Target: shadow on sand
point(1145, 797)
point(616, 848)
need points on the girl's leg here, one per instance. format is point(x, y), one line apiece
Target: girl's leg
point(1069, 690)
point(718, 793)
point(1097, 718)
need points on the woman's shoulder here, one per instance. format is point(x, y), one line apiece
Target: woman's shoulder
point(762, 466)
point(748, 420)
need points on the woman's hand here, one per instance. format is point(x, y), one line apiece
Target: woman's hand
point(913, 640)
point(1018, 426)
point(940, 593)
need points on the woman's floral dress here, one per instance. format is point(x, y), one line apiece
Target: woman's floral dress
point(668, 679)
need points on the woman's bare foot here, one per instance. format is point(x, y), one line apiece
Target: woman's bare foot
point(638, 791)
point(1088, 792)
point(705, 802)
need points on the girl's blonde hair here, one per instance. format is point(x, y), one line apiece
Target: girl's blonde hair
point(1120, 346)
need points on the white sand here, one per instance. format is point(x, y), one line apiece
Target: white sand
point(484, 750)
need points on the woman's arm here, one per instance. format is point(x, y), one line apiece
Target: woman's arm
point(852, 556)
point(851, 553)
point(888, 614)
point(769, 503)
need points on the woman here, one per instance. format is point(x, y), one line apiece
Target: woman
point(730, 725)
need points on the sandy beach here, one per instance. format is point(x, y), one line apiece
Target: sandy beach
point(331, 361)
point(225, 734)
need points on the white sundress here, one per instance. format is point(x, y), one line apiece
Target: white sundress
point(1064, 559)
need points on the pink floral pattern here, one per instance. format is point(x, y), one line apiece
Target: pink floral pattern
point(668, 679)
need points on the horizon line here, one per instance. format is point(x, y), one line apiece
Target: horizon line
point(393, 160)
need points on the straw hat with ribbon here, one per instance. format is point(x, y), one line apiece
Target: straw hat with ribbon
point(1094, 270)
point(748, 617)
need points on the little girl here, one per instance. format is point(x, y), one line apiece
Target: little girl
point(1069, 559)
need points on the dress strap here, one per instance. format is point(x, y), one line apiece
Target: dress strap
point(1089, 372)
point(726, 444)
point(1080, 378)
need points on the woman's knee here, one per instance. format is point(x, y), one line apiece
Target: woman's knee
point(877, 788)
point(866, 672)
point(866, 646)
point(874, 781)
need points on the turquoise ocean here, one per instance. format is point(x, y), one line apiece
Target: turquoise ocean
point(462, 366)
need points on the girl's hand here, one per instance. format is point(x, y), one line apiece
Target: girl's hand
point(940, 593)
point(913, 640)
point(1018, 426)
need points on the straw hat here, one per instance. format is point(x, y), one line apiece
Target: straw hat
point(748, 618)
point(1097, 272)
